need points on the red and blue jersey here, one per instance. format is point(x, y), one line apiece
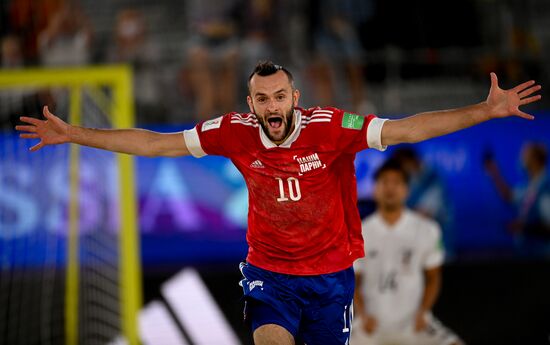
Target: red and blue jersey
point(302, 216)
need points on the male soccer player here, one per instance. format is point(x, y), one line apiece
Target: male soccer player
point(398, 281)
point(304, 230)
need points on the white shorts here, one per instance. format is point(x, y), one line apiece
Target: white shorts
point(435, 333)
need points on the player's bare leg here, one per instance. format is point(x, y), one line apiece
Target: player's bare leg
point(272, 334)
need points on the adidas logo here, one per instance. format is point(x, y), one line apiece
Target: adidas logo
point(257, 164)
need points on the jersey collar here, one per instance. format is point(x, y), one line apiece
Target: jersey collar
point(268, 144)
point(395, 228)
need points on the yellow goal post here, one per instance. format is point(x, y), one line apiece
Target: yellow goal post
point(119, 106)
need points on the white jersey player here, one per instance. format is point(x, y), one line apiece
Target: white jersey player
point(398, 281)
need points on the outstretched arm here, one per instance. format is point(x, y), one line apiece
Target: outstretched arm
point(53, 130)
point(500, 103)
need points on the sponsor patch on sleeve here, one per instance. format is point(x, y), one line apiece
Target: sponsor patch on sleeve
point(211, 124)
point(352, 121)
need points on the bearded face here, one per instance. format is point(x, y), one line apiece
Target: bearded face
point(273, 99)
point(277, 125)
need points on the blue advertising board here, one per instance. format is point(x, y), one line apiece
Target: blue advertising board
point(194, 210)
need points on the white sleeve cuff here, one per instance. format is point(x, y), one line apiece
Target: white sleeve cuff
point(434, 260)
point(193, 142)
point(374, 134)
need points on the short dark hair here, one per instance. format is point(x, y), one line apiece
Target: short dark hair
point(266, 67)
point(391, 165)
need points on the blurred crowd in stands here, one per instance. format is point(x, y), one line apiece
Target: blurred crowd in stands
point(191, 58)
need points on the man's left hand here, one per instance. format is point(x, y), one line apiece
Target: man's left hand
point(504, 103)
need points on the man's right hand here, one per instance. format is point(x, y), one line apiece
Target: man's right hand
point(51, 131)
point(369, 324)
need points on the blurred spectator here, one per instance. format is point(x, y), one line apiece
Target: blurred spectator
point(132, 45)
point(28, 18)
point(427, 192)
point(14, 102)
point(523, 58)
point(67, 39)
point(532, 201)
point(213, 53)
point(514, 48)
point(520, 48)
point(12, 52)
point(258, 26)
point(337, 45)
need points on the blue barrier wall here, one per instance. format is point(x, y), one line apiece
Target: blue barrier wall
point(194, 210)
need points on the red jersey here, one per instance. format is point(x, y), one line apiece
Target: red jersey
point(302, 216)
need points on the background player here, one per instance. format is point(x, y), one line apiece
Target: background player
point(304, 230)
point(398, 281)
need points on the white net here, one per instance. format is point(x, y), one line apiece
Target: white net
point(35, 221)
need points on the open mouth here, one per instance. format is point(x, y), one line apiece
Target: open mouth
point(275, 122)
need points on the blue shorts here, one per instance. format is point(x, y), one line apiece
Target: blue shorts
point(316, 309)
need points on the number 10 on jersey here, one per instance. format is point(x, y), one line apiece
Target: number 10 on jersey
point(293, 186)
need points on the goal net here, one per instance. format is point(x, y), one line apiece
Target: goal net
point(70, 268)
